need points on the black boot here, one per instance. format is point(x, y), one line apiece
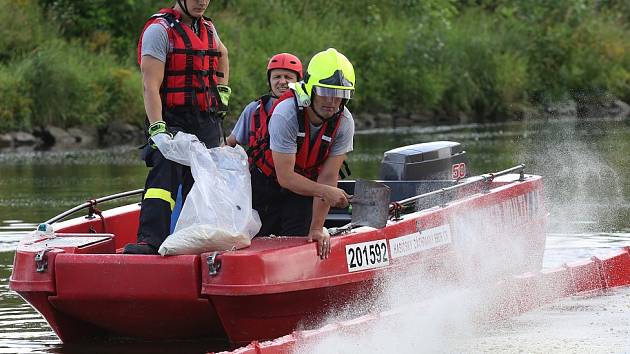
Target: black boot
point(139, 248)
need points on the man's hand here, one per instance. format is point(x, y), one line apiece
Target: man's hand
point(159, 135)
point(336, 197)
point(224, 99)
point(323, 242)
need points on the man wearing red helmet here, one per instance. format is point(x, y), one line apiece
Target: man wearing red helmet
point(282, 69)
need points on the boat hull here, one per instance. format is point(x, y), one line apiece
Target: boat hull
point(87, 289)
point(516, 295)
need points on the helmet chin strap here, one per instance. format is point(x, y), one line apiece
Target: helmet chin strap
point(185, 9)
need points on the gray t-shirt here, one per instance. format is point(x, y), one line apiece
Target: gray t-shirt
point(243, 124)
point(155, 40)
point(283, 130)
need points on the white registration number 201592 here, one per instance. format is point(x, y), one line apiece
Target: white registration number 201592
point(367, 255)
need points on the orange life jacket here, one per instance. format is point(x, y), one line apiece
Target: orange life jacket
point(310, 155)
point(190, 76)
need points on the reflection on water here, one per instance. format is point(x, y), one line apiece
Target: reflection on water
point(563, 248)
point(584, 165)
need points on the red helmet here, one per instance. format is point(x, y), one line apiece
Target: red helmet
point(285, 61)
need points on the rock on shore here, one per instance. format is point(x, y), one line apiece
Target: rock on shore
point(121, 133)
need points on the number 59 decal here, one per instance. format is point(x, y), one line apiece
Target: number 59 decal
point(458, 171)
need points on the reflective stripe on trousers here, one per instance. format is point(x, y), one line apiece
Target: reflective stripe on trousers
point(158, 193)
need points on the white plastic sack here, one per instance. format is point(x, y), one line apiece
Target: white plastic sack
point(217, 214)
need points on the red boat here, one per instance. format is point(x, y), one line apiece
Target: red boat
point(515, 295)
point(86, 289)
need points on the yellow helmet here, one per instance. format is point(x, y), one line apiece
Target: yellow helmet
point(330, 73)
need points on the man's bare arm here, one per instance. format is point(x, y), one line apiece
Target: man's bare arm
point(224, 65)
point(329, 175)
point(152, 77)
point(293, 181)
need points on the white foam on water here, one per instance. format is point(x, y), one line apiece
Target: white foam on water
point(434, 314)
point(581, 186)
point(437, 316)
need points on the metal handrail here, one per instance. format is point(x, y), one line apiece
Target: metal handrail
point(94, 202)
point(487, 178)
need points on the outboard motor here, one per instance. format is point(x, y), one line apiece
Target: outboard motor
point(438, 160)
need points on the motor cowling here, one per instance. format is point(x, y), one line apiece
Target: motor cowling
point(438, 160)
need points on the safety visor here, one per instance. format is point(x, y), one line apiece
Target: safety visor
point(333, 92)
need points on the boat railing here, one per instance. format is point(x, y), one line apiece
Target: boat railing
point(442, 194)
point(91, 205)
point(439, 197)
point(395, 207)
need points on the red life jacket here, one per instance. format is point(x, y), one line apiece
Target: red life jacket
point(310, 155)
point(258, 125)
point(190, 76)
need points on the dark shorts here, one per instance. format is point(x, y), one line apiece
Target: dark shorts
point(282, 212)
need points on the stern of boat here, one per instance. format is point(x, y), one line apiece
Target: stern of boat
point(86, 289)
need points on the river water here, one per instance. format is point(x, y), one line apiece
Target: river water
point(585, 164)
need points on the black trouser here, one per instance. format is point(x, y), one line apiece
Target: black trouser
point(282, 212)
point(166, 176)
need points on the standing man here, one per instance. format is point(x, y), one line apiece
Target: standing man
point(296, 168)
point(282, 69)
point(185, 73)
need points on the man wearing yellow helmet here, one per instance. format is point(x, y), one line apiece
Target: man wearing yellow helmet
point(296, 161)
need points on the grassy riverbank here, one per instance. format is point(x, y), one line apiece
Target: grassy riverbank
point(66, 62)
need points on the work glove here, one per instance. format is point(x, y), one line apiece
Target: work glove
point(159, 135)
point(224, 99)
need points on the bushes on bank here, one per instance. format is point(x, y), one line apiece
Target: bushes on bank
point(393, 44)
point(15, 102)
point(49, 80)
point(65, 85)
point(482, 60)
